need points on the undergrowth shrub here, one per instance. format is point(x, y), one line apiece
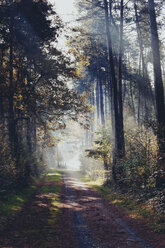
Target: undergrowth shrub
point(158, 202)
point(138, 168)
point(19, 172)
point(7, 167)
point(29, 166)
point(137, 171)
point(92, 168)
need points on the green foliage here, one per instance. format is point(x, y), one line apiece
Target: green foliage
point(7, 166)
point(103, 146)
point(136, 172)
point(92, 168)
point(137, 169)
point(53, 177)
point(17, 173)
point(52, 182)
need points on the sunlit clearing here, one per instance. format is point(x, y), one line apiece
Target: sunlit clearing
point(66, 155)
point(71, 152)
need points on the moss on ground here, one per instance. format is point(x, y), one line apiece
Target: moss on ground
point(14, 203)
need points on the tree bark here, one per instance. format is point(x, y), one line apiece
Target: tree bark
point(142, 58)
point(106, 101)
point(28, 135)
point(12, 123)
point(118, 143)
point(159, 90)
point(120, 81)
point(97, 97)
point(101, 101)
point(92, 102)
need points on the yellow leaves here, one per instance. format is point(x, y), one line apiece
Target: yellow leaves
point(18, 97)
point(51, 127)
point(50, 140)
point(73, 51)
point(91, 108)
point(4, 147)
point(21, 107)
point(18, 103)
point(41, 93)
point(78, 73)
point(116, 201)
point(82, 61)
point(50, 144)
point(25, 81)
point(67, 42)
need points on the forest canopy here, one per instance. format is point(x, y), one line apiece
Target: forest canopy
point(35, 97)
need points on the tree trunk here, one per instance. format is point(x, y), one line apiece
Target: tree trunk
point(118, 143)
point(34, 135)
point(92, 102)
point(106, 101)
point(12, 123)
point(28, 135)
point(97, 97)
point(101, 100)
point(142, 59)
point(1, 92)
point(120, 83)
point(159, 91)
point(1, 106)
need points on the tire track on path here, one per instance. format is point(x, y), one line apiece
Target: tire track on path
point(84, 235)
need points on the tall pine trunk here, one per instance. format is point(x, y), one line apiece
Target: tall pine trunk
point(118, 142)
point(121, 122)
point(101, 101)
point(159, 91)
point(12, 123)
point(142, 59)
point(97, 97)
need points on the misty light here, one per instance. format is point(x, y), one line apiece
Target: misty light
point(65, 9)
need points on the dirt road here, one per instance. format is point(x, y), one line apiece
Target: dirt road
point(85, 220)
point(97, 223)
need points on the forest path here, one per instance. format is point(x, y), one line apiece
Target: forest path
point(82, 219)
point(96, 223)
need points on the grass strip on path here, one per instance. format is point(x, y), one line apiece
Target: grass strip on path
point(52, 188)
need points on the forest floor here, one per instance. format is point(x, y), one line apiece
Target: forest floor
point(66, 213)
